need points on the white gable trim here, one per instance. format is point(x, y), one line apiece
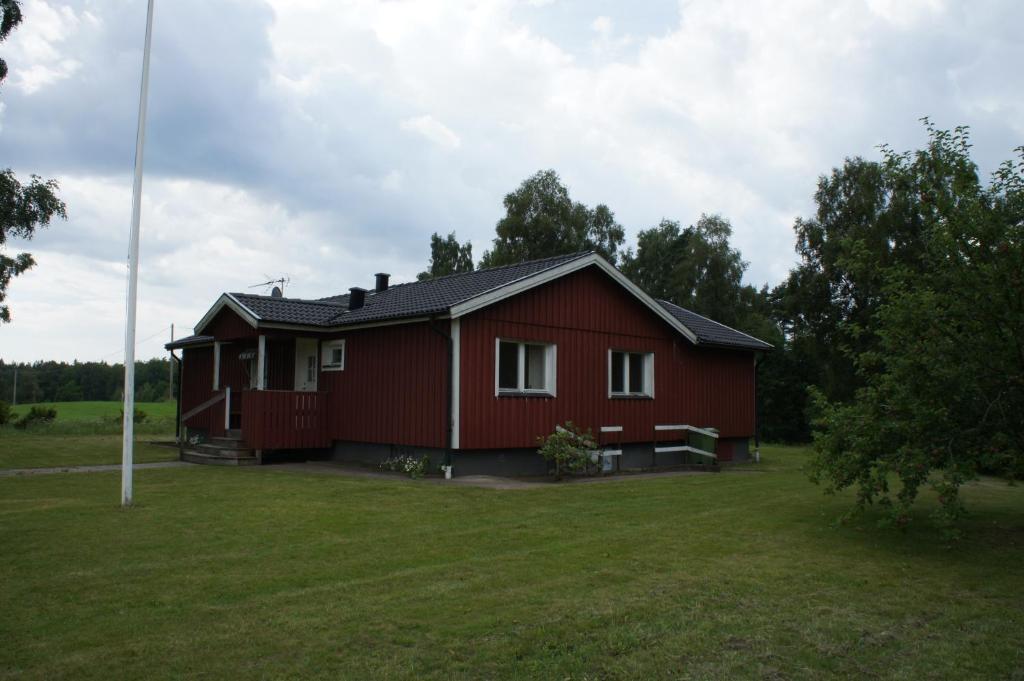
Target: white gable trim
point(229, 301)
point(515, 288)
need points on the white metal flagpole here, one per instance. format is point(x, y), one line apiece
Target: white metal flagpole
point(133, 278)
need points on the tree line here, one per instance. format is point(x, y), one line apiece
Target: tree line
point(899, 334)
point(76, 381)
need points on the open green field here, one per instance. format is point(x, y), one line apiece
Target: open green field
point(96, 411)
point(85, 434)
point(264, 573)
point(93, 418)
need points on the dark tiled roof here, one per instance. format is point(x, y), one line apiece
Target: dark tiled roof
point(414, 299)
point(438, 296)
point(290, 310)
point(710, 332)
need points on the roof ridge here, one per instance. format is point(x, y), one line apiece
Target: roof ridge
point(566, 256)
point(305, 301)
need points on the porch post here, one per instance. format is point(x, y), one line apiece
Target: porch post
point(216, 365)
point(261, 364)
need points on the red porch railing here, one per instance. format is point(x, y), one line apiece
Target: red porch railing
point(285, 419)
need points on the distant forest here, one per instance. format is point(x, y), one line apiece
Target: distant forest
point(63, 382)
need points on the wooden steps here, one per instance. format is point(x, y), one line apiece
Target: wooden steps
point(221, 451)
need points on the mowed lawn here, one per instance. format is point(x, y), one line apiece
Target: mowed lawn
point(86, 433)
point(267, 573)
point(34, 450)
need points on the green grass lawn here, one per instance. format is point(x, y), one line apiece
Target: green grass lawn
point(263, 573)
point(41, 450)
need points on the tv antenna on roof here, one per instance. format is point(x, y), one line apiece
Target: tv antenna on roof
point(278, 290)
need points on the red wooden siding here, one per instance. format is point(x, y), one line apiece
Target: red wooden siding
point(197, 386)
point(586, 314)
point(227, 325)
point(393, 388)
point(285, 419)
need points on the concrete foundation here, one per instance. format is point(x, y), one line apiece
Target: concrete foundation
point(512, 462)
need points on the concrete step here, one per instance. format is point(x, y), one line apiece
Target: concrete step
point(224, 443)
point(193, 456)
point(232, 452)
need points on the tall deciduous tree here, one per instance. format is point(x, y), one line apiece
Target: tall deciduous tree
point(23, 208)
point(695, 267)
point(541, 220)
point(941, 370)
point(447, 256)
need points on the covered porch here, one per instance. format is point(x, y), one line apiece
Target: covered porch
point(248, 393)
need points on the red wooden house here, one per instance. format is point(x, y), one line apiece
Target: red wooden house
point(470, 369)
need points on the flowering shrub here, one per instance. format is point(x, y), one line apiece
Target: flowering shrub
point(572, 450)
point(413, 466)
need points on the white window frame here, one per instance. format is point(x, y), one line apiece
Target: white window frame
point(327, 349)
point(550, 369)
point(648, 390)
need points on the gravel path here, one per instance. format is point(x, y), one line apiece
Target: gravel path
point(484, 481)
point(11, 472)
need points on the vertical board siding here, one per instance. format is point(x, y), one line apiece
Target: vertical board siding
point(226, 325)
point(586, 314)
point(197, 385)
point(393, 389)
point(285, 419)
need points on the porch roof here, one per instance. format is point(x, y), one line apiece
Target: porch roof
point(188, 341)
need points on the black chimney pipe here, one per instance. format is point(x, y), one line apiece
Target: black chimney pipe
point(382, 281)
point(356, 297)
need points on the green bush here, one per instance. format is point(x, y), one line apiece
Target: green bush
point(5, 413)
point(571, 450)
point(36, 416)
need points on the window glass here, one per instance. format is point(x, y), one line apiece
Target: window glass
point(508, 366)
point(536, 367)
point(618, 372)
point(336, 356)
point(636, 372)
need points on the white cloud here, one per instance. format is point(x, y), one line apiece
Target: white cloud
point(35, 57)
point(433, 129)
point(318, 142)
point(602, 25)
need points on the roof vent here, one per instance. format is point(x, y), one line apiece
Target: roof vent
point(356, 298)
point(276, 292)
point(382, 281)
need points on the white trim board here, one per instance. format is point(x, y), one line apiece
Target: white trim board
point(229, 301)
point(702, 431)
point(456, 395)
point(684, 448)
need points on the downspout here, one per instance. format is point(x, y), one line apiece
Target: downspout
point(177, 400)
point(448, 393)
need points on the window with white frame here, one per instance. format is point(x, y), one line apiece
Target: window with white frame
point(630, 374)
point(524, 368)
point(332, 355)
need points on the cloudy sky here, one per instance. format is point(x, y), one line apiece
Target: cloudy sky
point(325, 140)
